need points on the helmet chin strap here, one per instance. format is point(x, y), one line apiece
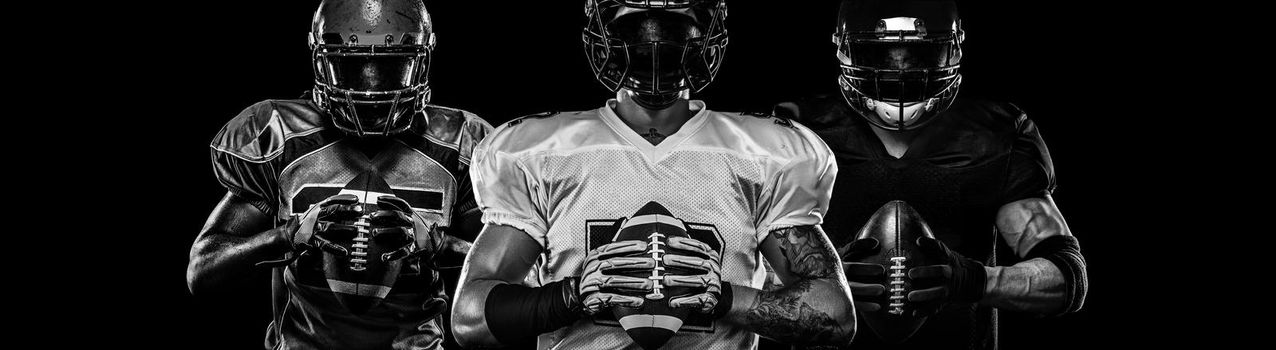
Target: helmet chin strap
point(656, 102)
point(653, 101)
point(900, 114)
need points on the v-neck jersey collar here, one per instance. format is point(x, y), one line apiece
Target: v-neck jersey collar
point(654, 152)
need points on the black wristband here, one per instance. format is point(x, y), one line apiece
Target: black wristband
point(515, 313)
point(1065, 253)
point(971, 280)
point(724, 301)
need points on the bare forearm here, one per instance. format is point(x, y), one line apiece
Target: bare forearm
point(469, 324)
point(219, 258)
point(514, 313)
point(492, 306)
point(804, 312)
point(1051, 280)
point(1034, 285)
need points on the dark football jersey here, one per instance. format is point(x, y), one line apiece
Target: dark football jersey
point(284, 156)
point(959, 170)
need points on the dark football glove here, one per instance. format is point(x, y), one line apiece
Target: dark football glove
point(395, 224)
point(867, 280)
point(957, 280)
point(333, 217)
point(434, 307)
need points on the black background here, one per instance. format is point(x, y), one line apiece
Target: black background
point(203, 63)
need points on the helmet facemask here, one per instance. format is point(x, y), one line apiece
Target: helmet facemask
point(661, 50)
point(372, 89)
point(899, 75)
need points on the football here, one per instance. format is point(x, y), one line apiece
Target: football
point(896, 226)
point(359, 278)
point(654, 323)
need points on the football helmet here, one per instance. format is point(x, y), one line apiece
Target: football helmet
point(658, 49)
point(899, 59)
point(371, 61)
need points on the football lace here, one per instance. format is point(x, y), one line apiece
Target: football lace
point(359, 259)
point(657, 273)
point(897, 285)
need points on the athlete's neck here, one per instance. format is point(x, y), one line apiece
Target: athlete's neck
point(895, 142)
point(653, 125)
point(370, 146)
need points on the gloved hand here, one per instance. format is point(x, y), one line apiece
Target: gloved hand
point(957, 280)
point(600, 265)
point(867, 280)
point(698, 258)
point(681, 254)
point(395, 224)
point(434, 306)
point(332, 218)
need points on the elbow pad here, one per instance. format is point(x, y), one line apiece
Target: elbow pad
point(515, 313)
point(1065, 253)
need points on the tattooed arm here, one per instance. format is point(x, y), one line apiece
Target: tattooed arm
point(814, 306)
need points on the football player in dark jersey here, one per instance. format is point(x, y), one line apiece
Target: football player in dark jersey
point(357, 195)
point(978, 172)
point(744, 188)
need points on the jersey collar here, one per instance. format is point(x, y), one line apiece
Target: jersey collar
point(654, 153)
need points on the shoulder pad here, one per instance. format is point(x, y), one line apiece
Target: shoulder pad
point(473, 131)
point(994, 111)
point(1008, 109)
point(259, 132)
point(537, 130)
point(817, 111)
point(769, 115)
point(540, 115)
point(451, 125)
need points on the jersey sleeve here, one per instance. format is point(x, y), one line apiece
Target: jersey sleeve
point(506, 191)
point(474, 131)
point(799, 191)
point(1031, 172)
point(465, 202)
point(240, 166)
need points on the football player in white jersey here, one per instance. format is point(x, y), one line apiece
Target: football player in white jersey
point(556, 188)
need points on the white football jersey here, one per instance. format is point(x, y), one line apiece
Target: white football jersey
point(737, 175)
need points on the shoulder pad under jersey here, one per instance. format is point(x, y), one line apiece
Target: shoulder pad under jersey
point(533, 131)
point(259, 132)
point(540, 115)
point(778, 120)
point(999, 118)
point(455, 128)
point(777, 137)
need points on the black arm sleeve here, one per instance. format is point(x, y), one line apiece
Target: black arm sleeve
point(515, 313)
point(1065, 253)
